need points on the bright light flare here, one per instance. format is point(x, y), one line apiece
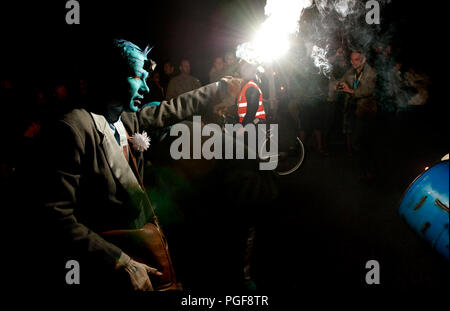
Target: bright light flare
point(271, 41)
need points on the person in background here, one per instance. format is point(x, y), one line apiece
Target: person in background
point(217, 70)
point(231, 65)
point(358, 83)
point(167, 74)
point(336, 100)
point(313, 103)
point(182, 83)
point(156, 93)
point(250, 107)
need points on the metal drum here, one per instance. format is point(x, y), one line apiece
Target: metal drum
point(424, 206)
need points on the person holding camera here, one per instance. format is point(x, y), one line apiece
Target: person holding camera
point(360, 108)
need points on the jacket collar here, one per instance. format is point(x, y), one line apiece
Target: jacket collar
point(114, 155)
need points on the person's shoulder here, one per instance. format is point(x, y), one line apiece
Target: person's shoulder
point(349, 71)
point(130, 120)
point(194, 79)
point(75, 123)
point(191, 77)
point(175, 79)
point(370, 69)
point(79, 120)
point(75, 117)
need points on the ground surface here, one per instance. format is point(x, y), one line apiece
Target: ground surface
point(327, 223)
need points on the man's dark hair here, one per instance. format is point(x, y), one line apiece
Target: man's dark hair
point(184, 60)
point(359, 51)
point(111, 66)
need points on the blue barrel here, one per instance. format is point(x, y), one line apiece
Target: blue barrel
point(424, 206)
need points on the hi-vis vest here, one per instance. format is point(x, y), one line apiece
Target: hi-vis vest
point(242, 102)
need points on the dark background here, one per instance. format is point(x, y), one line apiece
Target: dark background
point(319, 235)
point(38, 42)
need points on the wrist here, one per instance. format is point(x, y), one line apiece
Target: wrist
point(223, 88)
point(123, 261)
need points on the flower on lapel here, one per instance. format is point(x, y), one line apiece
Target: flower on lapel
point(140, 142)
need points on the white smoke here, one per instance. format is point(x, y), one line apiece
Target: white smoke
point(282, 21)
point(320, 59)
point(343, 8)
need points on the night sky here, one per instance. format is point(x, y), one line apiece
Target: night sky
point(39, 40)
point(197, 30)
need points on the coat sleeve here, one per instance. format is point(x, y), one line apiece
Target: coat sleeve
point(64, 161)
point(170, 89)
point(367, 85)
point(198, 84)
point(196, 102)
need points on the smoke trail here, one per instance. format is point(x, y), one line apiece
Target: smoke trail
point(320, 60)
point(345, 17)
point(342, 8)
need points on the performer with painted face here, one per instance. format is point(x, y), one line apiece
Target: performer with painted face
point(93, 187)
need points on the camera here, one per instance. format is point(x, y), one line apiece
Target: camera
point(340, 86)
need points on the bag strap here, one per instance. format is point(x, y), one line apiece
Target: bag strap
point(136, 169)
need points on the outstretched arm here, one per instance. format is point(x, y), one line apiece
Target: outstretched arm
point(196, 102)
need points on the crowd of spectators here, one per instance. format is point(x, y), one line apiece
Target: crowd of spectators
point(367, 92)
point(387, 91)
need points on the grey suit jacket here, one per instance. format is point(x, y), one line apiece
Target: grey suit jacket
point(364, 98)
point(89, 186)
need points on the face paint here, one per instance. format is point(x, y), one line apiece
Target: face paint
point(136, 79)
point(137, 85)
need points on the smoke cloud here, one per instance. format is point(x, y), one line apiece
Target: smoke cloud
point(330, 20)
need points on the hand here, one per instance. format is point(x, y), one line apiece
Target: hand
point(339, 86)
point(336, 86)
point(234, 85)
point(346, 88)
point(138, 272)
point(343, 87)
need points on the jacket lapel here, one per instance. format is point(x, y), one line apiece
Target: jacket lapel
point(114, 155)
